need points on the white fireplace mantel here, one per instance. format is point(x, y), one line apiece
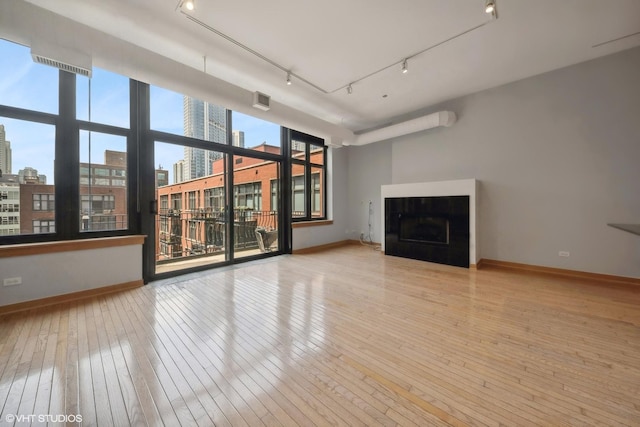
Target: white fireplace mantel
point(460, 187)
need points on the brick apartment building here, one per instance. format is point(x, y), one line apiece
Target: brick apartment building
point(192, 216)
point(103, 197)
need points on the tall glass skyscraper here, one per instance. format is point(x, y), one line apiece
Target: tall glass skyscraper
point(208, 122)
point(5, 152)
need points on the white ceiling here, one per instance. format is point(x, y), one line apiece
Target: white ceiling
point(332, 43)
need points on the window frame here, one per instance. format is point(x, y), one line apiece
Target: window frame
point(308, 167)
point(67, 199)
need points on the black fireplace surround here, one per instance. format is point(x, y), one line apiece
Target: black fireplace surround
point(432, 229)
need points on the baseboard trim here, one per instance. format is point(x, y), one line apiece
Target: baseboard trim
point(325, 247)
point(73, 296)
point(557, 271)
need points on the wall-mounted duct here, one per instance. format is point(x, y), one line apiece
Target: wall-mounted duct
point(63, 58)
point(430, 121)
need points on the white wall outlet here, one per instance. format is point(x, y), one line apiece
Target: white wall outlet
point(564, 253)
point(12, 281)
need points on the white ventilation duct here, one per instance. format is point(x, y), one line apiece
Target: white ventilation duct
point(60, 57)
point(430, 121)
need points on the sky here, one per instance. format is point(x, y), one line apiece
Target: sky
point(32, 86)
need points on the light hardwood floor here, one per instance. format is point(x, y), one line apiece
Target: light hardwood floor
point(342, 337)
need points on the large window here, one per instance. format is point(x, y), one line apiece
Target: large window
point(183, 115)
point(76, 158)
point(193, 200)
point(103, 156)
point(248, 196)
point(63, 140)
point(26, 176)
point(176, 201)
point(214, 198)
point(104, 98)
point(308, 177)
point(43, 226)
point(25, 84)
point(44, 202)
point(254, 134)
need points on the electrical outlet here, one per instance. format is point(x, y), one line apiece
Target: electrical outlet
point(564, 254)
point(361, 236)
point(12, 281)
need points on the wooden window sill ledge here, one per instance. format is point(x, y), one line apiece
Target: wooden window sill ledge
point(311, 223)
point(27, 249)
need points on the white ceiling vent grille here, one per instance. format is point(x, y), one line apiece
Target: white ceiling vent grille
point(261, 101)
point(61, 65)
point(62, 58)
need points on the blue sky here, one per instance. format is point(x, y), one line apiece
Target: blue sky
point(26, 84)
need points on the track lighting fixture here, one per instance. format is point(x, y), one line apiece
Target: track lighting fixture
point(184, 5)
point(187, 4)
point(489, 6)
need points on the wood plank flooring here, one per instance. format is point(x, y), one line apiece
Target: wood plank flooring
point(342, 337)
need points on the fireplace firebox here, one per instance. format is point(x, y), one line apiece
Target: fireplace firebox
point(432, 229)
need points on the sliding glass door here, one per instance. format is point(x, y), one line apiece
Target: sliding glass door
point(256, 195)
point(190, 214)
point(216, 195)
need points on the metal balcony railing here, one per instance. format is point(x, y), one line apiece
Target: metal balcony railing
point(196, 232)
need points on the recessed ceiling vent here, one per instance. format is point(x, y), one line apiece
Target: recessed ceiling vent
point(261, 101)
point(62, 58)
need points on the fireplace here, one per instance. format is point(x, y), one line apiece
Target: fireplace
point(423, 228)
point(432, 229)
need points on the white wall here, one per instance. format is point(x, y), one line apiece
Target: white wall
point(558, 156)
point(65, 272)
point(369, 169)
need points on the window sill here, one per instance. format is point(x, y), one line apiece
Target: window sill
point(27, 249)
point(311, 223)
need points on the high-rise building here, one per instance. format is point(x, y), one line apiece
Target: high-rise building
point(238, 138)
point(162, 177)
point(5, 153)
point(9, 205)
point(208, 122)
point(178, 172)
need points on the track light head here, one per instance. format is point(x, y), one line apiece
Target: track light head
point(349, 89)
point(405, 68)
point(186, 4)
point(489, 6)
point(288, 79)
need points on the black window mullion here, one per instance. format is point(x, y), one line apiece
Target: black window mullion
point(286, 203)
point(230, 205)
point(133, 171)
point(307, 186)
point(145, 174)
point(67, 161)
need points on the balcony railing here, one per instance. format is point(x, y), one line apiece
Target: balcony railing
point(200, 232)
